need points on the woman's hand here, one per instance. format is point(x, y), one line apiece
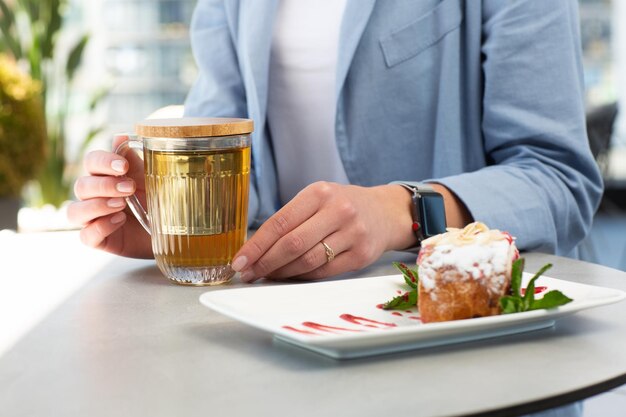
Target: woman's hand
point(358, 224)
point(102, 212)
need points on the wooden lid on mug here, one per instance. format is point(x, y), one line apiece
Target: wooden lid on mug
point(194, 127)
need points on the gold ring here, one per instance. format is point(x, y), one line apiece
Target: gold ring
point(330, 253)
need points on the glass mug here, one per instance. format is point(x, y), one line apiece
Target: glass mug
point(197, 182)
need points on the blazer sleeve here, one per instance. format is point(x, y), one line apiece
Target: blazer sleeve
point(541, 181)
point(219, 89)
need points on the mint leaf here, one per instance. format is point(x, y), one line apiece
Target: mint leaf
point(402, 302)
point(410, 275)
point(552, 299)
point(529, 295)
point(516, 303)
point(510, 304)
point(516, 277)
point(408, 299)
point(541, 271)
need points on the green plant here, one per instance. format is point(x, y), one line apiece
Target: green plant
point(30, 30)
point(22, 128)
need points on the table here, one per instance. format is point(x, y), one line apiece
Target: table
point(129, 343)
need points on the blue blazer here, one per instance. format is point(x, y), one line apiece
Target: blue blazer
point(483, 96)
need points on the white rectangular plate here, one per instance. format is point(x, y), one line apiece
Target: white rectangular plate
point(343, 319)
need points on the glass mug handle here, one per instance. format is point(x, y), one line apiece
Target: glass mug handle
point(135, 145)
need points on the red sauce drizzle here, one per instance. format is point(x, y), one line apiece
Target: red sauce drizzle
point(361, 321)
point(293, 329)
point(379, 306)
point(326, 328)
point(537, 290)
point(368, 322)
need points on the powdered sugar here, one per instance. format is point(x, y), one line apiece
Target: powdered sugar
point(489, 261)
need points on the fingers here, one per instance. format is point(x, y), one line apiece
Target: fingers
point(105, 163)
point(133, 162)
point(111, 177)
point(313, 259)
point(91, 187)
point(95, 233)
point(342, 263)
point(118, 139)
point(284, 221)
point(298, 245)
point(84, 212)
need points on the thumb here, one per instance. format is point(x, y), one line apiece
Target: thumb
point(119, 139)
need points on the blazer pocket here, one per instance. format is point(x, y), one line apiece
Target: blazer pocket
point(412, 39)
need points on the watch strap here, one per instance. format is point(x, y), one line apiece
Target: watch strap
point(416, 188)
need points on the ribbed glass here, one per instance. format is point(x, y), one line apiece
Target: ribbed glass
point(198, 206)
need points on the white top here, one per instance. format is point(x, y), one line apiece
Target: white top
point(301, 102)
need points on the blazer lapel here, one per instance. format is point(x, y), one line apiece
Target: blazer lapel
point(254, 40)
point(255, 37)
point(354, 21)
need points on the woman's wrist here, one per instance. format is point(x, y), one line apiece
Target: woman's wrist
point(457, 214)
point(396, 202)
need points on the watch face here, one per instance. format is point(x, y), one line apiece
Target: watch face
point(432, 214)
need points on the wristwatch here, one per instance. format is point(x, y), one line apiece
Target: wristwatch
point(427, 210)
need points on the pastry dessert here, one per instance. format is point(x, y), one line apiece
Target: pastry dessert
point(464, 272)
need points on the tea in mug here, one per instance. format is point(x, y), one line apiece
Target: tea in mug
point(198, 203)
